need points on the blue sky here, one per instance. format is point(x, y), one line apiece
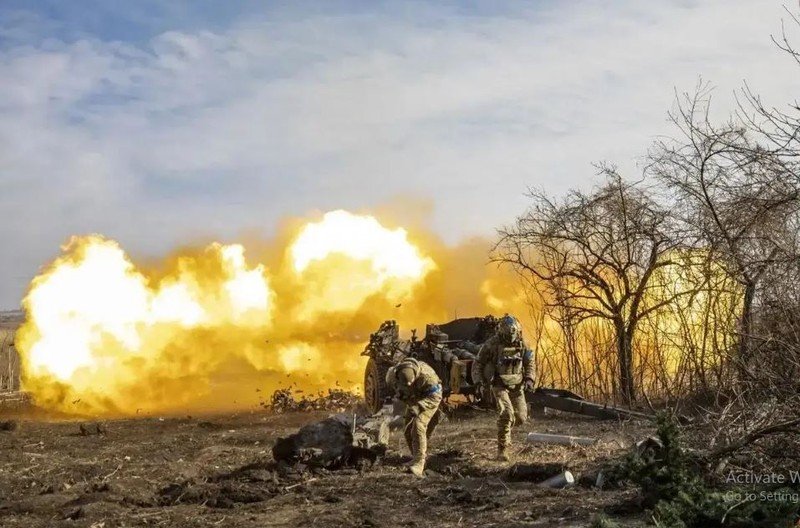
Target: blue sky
point(158, 123)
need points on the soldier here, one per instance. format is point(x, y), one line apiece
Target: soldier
point(417, 385)
point(506, 364)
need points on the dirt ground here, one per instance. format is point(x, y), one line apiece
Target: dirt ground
point(218, 471)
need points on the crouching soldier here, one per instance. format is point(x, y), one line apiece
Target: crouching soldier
point(416, 384)
point(506, 364)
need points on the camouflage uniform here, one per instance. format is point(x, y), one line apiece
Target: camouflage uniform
point(421, 399)
point(506, 364)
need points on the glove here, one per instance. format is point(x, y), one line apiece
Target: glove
point(528, 384)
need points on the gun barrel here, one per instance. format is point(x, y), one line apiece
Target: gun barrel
point(542, 398)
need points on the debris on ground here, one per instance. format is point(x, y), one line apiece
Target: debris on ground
point(8, 425)
point(88, 429)
point(559, 480)
point(337, 400)
point(341, 440)
point(544, 438)
point(546, 475)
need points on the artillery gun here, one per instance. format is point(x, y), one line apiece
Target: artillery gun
point(451, 350)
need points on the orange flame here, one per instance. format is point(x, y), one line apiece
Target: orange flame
point(105, 336)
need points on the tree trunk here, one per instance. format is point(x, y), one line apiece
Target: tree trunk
point(746, 323)
point(573, 360)
point(625, 360)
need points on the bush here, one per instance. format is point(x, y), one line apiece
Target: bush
point(675, 488)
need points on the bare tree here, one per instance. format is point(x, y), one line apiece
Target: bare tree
point(597, 254)
point(779, 128)
point(734, 195)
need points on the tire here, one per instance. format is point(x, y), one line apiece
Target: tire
point(375, 391)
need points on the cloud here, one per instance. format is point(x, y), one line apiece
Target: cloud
point(203, 120)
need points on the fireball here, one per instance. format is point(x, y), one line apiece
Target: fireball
point(105, 336)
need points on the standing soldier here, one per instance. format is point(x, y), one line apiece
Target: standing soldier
point(506, 364)
point(417, 385)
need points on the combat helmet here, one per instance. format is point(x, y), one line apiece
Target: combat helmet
point(509, 329)
point(402, 374)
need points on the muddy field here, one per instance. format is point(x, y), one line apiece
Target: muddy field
point(218, 471)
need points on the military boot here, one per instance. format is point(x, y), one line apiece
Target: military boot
point(502, 454)
point(418, 467)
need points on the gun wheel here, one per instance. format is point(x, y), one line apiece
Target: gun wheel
point(375, 392)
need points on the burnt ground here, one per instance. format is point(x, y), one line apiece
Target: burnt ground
point(218, 471)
